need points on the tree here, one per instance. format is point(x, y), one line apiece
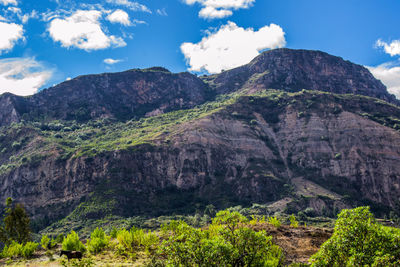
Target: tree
point(16, 224)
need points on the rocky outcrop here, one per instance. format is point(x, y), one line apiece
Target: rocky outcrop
point(240, 155)
point(260, 148)
point(122, 96)
point(294, 70)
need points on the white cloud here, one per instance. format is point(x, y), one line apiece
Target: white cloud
point(23, 17)
point(22, 76)
point(33, 15)
point(135, 6)
point(389, 74)
point(392, 49)
point(211, 12)
point(162, 12)
point(119, 16)
point(111, 61)
point(213, 9)
point(10, 34)
point(8, 2)
point(83, 30)
point(231, 46)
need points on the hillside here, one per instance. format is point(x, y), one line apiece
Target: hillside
point(152, 143)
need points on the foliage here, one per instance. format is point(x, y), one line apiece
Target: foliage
point(15, 249)
point(135, 240)
point(226, 242)
point(72, 242)
point(358, 240)
point(85, 262)
point(274, 221)
point(16, 224)
point(293, 221)
point(47, 242)
point(98, 241)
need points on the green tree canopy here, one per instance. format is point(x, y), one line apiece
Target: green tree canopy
point(15, 225)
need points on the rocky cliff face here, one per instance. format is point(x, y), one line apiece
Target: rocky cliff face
point(305, 149)
point(125, 95)
point(294, 70)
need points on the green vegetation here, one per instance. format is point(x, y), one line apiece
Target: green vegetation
point(15, 250)
point(98, 241)
point(16, 224)
point(226, 242)
point(359, 240)
point(293, 221)
point(72, 242)
point(274, 221)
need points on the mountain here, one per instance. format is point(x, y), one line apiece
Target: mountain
point(294, 129)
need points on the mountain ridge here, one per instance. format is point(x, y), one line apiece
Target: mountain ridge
point(250, 145)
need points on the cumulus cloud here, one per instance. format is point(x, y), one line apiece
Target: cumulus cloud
point(22, 76)
point(8, 2)
point(392, 49)
point(135, 6)
point(389, 74)
point(10, 34)
point(119, 16)
point(111, 61)
point(231, 46)
point(83, 30)
point(213, 9)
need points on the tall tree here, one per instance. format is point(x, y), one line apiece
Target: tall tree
point(16, 224)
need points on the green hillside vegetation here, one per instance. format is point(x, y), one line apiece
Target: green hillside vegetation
point(30, 142)
point(230, 239)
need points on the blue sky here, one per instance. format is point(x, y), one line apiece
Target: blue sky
point(48, 41)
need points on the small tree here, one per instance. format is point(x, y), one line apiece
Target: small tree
point(16, 224)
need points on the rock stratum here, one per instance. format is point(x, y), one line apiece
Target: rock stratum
point(295, 129)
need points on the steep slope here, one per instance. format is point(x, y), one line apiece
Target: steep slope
point(124, 95)
point(294, 70)
point(241, 152)
point(151, 142)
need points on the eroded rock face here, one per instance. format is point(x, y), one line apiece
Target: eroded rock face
point(247, 152)
point(238, 155)
point(294, 70)
point(124, 95)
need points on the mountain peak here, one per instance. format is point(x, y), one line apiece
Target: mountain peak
point(294, 70)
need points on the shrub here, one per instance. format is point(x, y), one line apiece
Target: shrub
point(59, 239)
point(135, 240)
point(293, 221)
point(358, 240)
point(98, 241)
point(45, 241)
point(18, 250)
point(226, 242)
point(72, 242)
point(12, 250)
point(28, 249)
point(274, 221)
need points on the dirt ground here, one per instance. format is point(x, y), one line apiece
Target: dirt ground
point(298, 244)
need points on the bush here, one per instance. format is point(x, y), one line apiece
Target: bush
point(358, 240)
point(59, 239)
point(28, 249)
point(45, 241)
point(72, 242)
point(226, 242)
point(274, 221)
point(98, 241)
point(15, 250)
point(135, 240)
point(293, 221)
